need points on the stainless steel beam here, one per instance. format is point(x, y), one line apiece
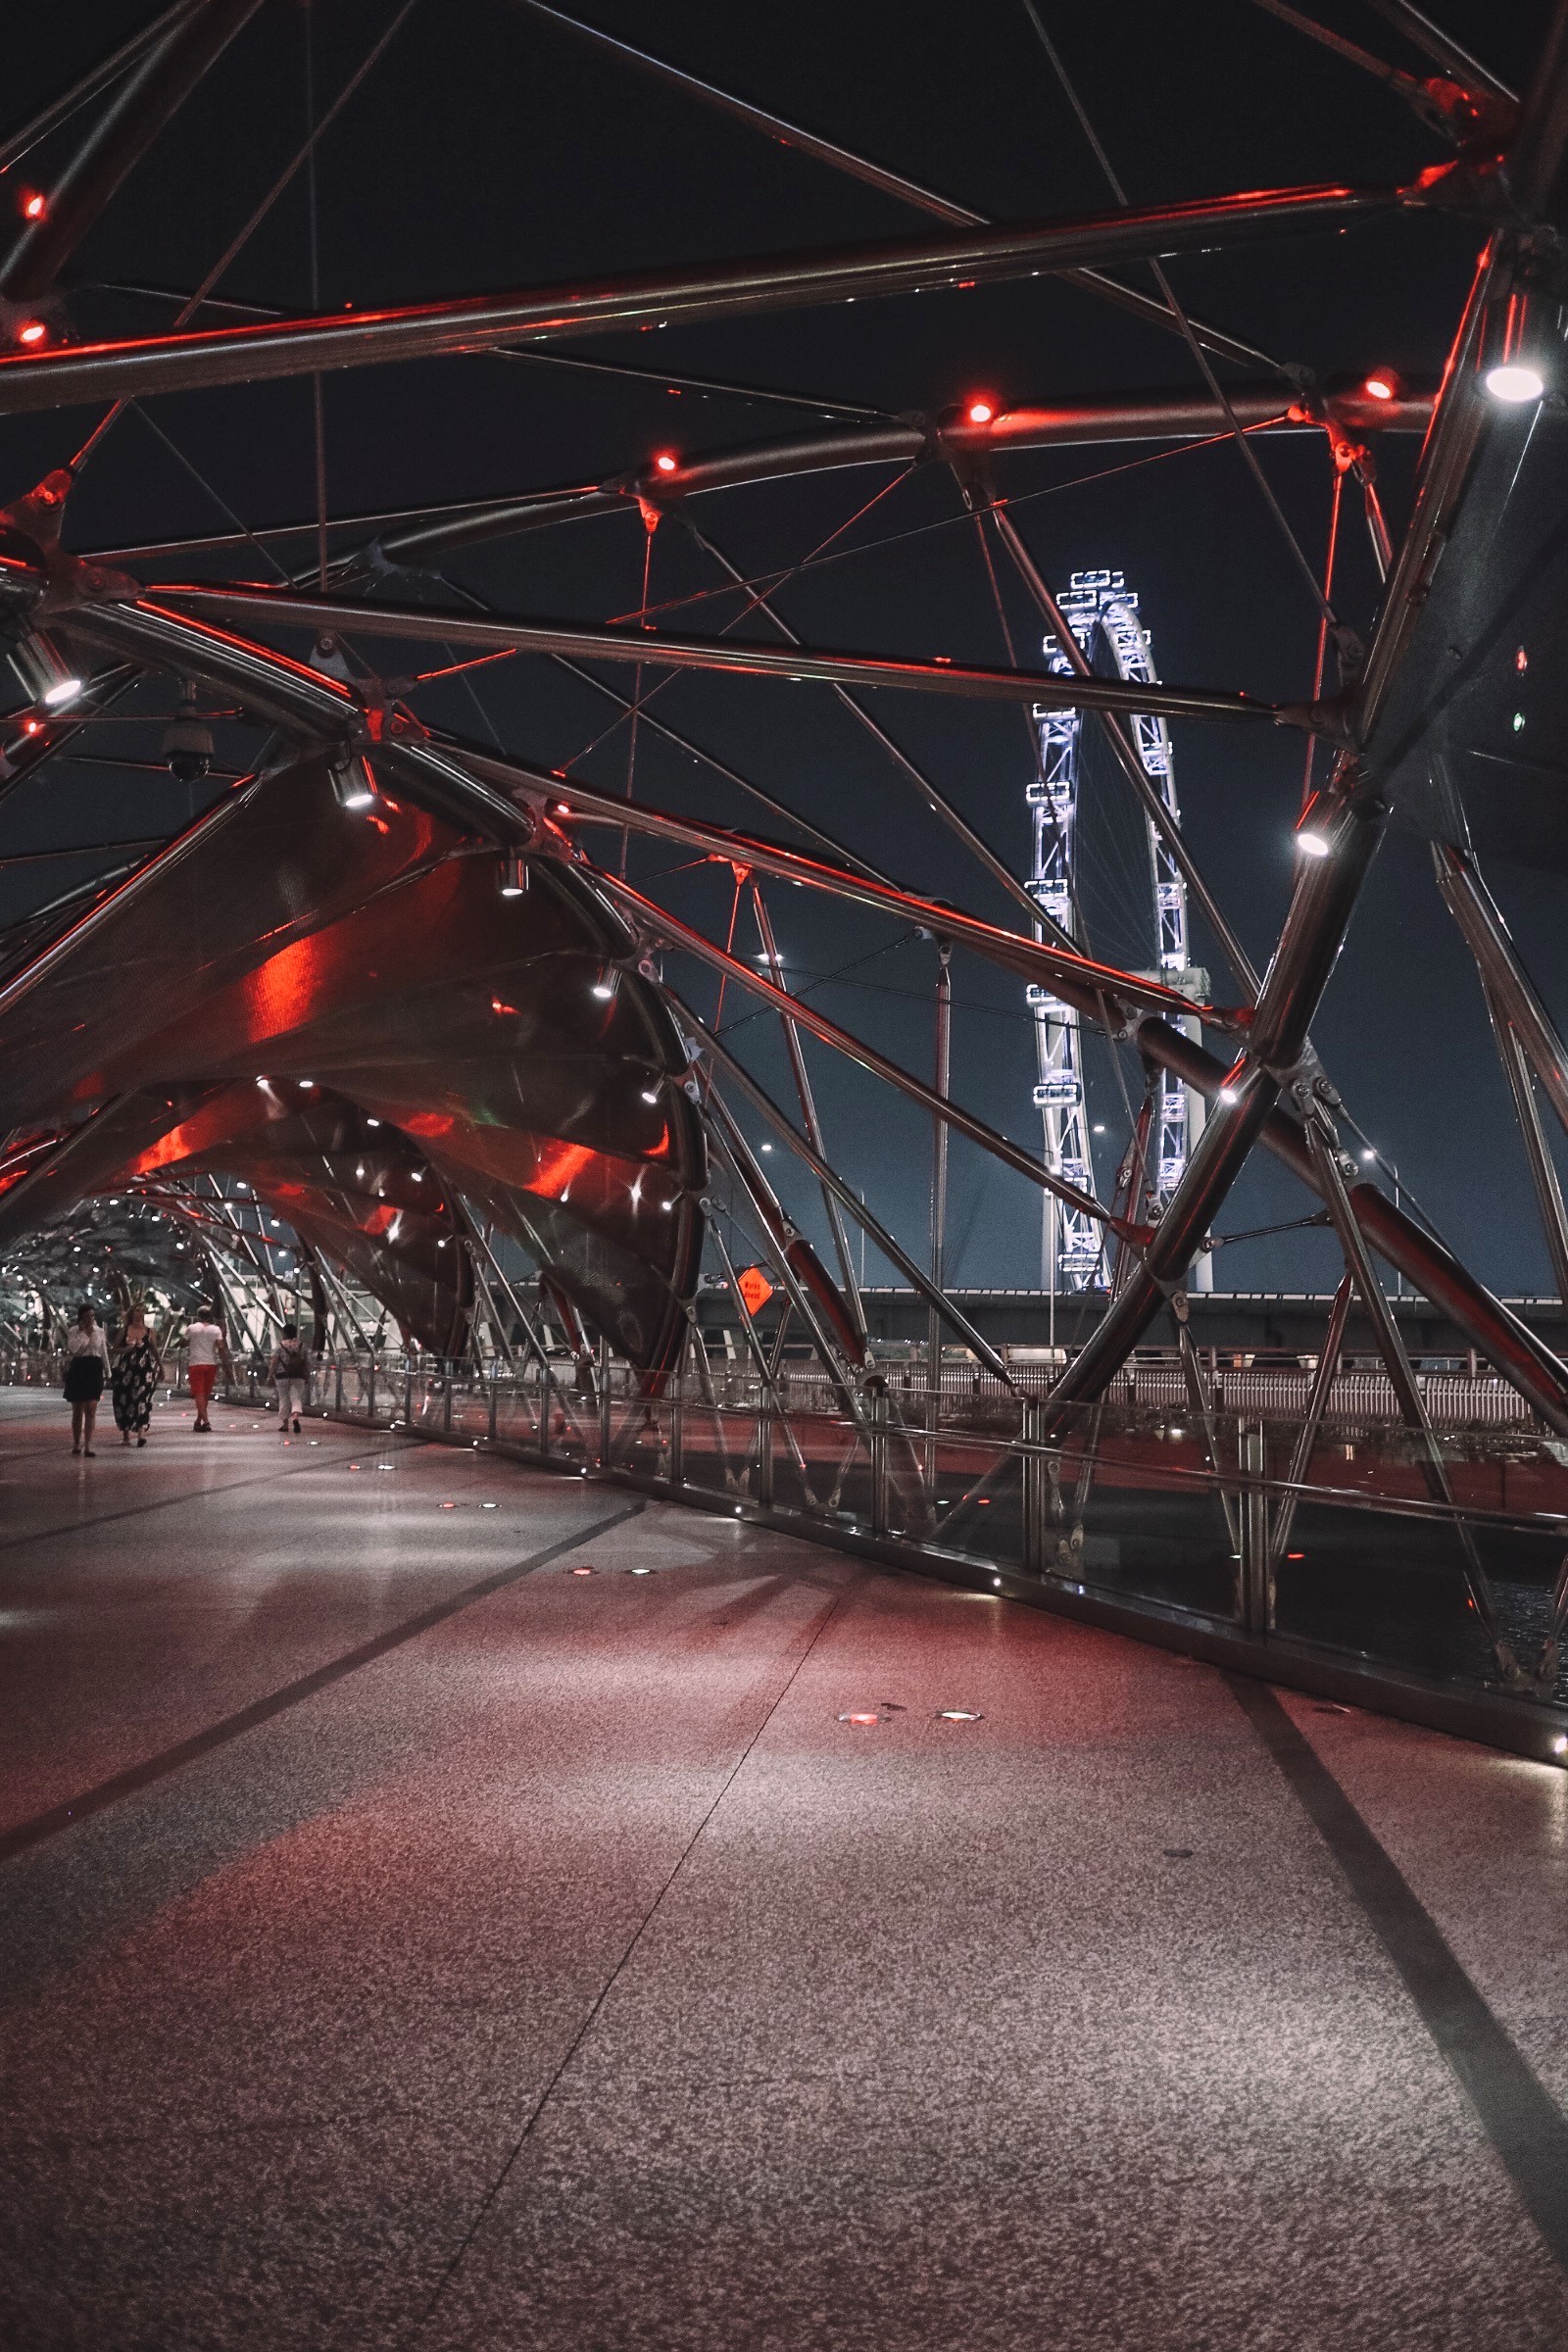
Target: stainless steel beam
point(1523, 1359)
point(1401, 1379)
point(657, 924)
point(1306, 1436)
point(424, 535)
point(309, 345)
point(876, 176)
point(97, 77)
point(937, 802)
point(653, 648)
point(146, 101)
point(1326, 892)
point(1503, 975)
point(1543, 1168)
point(1087, 983)
point(876, 1233)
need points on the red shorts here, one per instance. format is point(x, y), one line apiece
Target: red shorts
point(202, 1377)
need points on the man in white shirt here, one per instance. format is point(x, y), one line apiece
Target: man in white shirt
point(205, 1349)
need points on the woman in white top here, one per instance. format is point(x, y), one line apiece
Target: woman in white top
point(86, 1365)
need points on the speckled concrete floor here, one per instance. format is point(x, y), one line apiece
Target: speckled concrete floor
point(570, 1974)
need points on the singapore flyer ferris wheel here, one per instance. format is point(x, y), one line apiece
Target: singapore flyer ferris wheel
point(1103, 614)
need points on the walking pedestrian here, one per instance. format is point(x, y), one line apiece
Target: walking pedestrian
point(291, 1370)
point(205, 1349)
point(135, 1376)
point(87, 1363)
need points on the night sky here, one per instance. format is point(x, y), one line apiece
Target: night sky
point(490, 150)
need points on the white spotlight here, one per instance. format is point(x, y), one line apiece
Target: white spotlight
point(1515, 383)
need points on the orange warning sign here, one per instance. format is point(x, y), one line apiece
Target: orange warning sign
point(755, 1288)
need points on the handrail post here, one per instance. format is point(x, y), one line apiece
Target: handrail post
point(1256, 1578)
point(1034, 1487)
point(879, 1461)
point(764, 1452)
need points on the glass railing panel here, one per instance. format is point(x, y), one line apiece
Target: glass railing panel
point(1133, 1505)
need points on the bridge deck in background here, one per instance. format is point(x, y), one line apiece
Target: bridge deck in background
point(407, 1941)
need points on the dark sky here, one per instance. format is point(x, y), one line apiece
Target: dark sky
point(489, 150)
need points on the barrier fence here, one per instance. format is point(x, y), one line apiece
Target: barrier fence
point(1431, 1584)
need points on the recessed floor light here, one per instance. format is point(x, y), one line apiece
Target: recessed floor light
point(861, 1715)
point(635, 1571)
point(1177, 1853)
point(957, 1715)
point(582, 1572)
point(489, 1506)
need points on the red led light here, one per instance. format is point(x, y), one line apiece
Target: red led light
point(582, 1572)
point(32, 205)
point(1380, 387)
point(665, 462)
point(32, 726)
point(862, 1718)
point(980, 412)
point(33, 333)
point(1521, 660)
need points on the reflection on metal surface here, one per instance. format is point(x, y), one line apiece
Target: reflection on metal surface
point(345, 1014)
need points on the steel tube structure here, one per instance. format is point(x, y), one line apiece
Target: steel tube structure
point(876, 176)
point(1506, 982)
point(940, 807)
point(310, 346)
point(651, 647)
point(1324, 899)
point(426, 535)
point(149, 98)
point(1432, 1269)
point(876, 1233)
point(1030, 959)
point(657, 925)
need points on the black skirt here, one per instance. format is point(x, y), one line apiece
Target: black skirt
point(84, 1379)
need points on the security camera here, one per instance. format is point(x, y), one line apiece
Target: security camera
point(188, 740)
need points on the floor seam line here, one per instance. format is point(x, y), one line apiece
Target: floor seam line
point(170, 1502)
point(137, 1777)
point(1524, 2124)
point(491, 2198)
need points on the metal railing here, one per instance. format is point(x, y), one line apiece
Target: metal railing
point(1176, 1525)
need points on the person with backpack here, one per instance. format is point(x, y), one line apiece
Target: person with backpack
point(291, 1370)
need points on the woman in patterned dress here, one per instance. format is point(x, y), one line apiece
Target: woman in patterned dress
point(136, 1378)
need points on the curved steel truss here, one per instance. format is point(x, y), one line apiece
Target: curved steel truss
point(417, 992)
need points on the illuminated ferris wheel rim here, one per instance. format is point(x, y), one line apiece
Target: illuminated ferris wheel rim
point(1099, 602)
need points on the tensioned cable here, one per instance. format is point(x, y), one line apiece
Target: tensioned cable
point(314, 238)
point(764, 1012)
point(753, 600)
point(1199, 355)
point(945, 522)
point(216, 497)
point(237, 244)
